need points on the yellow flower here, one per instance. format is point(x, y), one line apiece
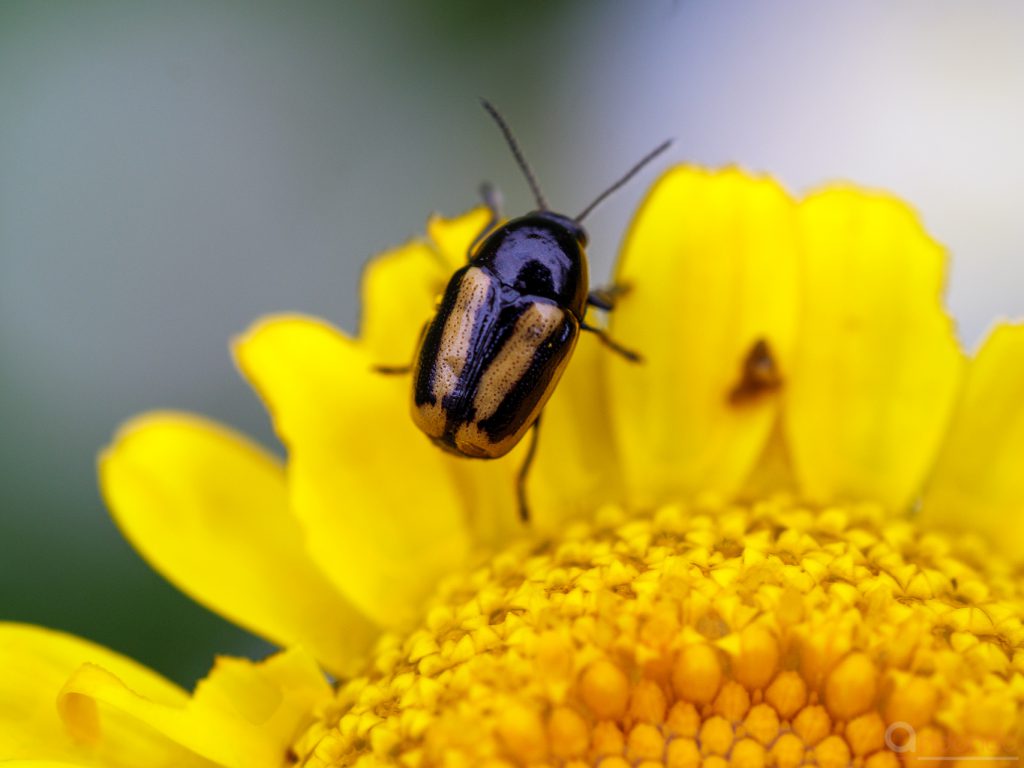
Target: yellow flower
point(793, 536)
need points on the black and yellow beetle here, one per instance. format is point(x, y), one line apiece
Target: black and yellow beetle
point(505, 328)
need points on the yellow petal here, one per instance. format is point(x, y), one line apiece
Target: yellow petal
point(978, 482)
point(244, 715)
point(452, 238)
point(401, 286)
point(773, 473)
point(209, 510)
point(877, 366)
point(382, 515)
point(487, 494)
point(712, 263)
point(36, 662)
point(278, 694)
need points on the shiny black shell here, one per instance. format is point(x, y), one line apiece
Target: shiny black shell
point(503, 333)
point(539, 255)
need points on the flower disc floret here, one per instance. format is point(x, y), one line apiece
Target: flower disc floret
point(745, 636)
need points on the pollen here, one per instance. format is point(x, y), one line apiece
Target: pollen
point(738, 637)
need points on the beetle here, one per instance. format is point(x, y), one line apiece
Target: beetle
point(506, 326)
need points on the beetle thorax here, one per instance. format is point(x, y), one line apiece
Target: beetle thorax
point(540, 254)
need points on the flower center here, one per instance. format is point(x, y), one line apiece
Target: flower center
point(743, 636)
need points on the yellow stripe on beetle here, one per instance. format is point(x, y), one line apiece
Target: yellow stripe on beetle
point(533, 328)
point(457, 336)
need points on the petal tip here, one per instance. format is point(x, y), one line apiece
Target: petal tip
point(135, 426)
point(269, 323)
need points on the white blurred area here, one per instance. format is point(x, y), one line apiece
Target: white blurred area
point(925, 99)
point(170, 172)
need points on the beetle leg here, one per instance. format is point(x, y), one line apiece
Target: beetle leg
point(524, 504)
point(614, 346)
point(604, 298)
point(492, 199)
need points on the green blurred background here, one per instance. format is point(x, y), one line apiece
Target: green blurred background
point(171, 171)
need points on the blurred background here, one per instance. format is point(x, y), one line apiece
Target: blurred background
point(171, 171)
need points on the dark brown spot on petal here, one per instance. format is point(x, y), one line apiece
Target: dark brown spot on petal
point(759, 375)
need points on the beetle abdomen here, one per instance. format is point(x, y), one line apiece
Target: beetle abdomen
point(489, 360)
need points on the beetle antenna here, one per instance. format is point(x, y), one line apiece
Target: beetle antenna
point(542, 204)
point(629, 175)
